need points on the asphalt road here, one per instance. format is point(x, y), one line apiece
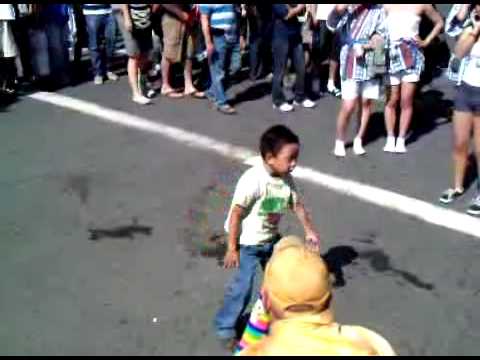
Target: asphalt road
point(111, 236)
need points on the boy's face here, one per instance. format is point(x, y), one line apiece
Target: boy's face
point(285, 161)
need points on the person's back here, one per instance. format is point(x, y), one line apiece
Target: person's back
point(296, 294)
point(303, 337)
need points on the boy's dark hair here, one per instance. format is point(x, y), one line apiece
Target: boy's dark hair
point(275, 138)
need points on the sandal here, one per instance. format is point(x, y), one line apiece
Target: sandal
point(172, 94)
point(196, 94)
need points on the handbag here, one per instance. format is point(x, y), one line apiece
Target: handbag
point(377, 61)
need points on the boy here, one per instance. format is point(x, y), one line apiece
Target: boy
point(263, 194)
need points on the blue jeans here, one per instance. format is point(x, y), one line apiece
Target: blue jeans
point(225, 59)
point(99, 27)
point(281, 48)
point(239, 289)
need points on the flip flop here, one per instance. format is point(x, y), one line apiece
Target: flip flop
point(172, 94)
point(196, 94)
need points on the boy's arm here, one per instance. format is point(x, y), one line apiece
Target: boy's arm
point(311, 235)
point(232, 257)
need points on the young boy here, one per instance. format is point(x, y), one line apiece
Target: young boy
point(263, 194)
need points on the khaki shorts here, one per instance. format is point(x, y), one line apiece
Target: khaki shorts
point(178, 45)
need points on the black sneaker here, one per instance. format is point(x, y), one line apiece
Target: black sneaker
point(474, 208)
point(450, 196)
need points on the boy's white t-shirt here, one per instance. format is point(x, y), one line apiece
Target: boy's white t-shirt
point(266, 199)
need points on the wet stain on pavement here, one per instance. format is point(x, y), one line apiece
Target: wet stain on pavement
point(78, 185)
point(202, 237)
point(126, 231)
point(380, 262)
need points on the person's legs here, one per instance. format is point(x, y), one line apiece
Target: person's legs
point(370, 92)
point(334, 65)
point(173, 36)
point(476, 137)
point(406, 105)
point(366, 106)
point(254, 47)
point(462, 129)
point(237, 293)
point(280, 56)
point(95, 27)
point(234, 55)
point(110, 39)
point(216, 91)
point(349, 101)
point(390, 116)
point(58, 52)
point(132, 69)
point(299, 66)
point(166, 66)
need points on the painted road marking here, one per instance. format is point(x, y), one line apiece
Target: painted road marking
point(419, 209)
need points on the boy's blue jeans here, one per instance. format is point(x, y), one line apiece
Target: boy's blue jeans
point(239, 290)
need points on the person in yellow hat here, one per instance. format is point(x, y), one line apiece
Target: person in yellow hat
point(297, 296)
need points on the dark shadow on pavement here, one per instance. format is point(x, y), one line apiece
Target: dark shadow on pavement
point(472, 172)
point(429, 107)
point(376, 128)
point(337, 258)
point(253, 93)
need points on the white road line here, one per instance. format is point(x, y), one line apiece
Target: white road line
point(419, 209)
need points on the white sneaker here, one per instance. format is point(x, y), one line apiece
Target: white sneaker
point(358, 147)
point(112, 76)
point(400, 147)
point(390, 145)
point(331, 88)
point(285, 107)
point(98, 80)
point(307, 104)
point(142, 100)
point(339, 150)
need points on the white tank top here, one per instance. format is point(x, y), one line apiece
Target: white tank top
point(471, 76)
point(402, 24)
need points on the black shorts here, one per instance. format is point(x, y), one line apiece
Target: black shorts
point(325, 44)
point(467, 99)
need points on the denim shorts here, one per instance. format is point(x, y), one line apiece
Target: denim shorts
point(467, 99)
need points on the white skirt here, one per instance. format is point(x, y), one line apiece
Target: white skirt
point(8, 48)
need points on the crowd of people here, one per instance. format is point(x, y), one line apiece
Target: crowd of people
point(366, 50)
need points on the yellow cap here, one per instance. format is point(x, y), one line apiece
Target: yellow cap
point(297, 280)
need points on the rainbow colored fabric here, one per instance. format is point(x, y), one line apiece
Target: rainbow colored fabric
point(257, 327)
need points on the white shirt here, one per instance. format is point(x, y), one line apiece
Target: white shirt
point(7, 12)
point(471, 76)
point(323, 10)
point(266, 199)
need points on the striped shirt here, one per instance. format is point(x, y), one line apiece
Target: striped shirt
point(454, 28)
point(96, 9)
point(357, 27)
point(222, 16)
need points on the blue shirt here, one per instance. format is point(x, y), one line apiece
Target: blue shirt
point(222, 16)
point(282, 28)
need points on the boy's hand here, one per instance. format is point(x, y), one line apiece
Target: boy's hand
point(232, 259)
point(312, 240)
